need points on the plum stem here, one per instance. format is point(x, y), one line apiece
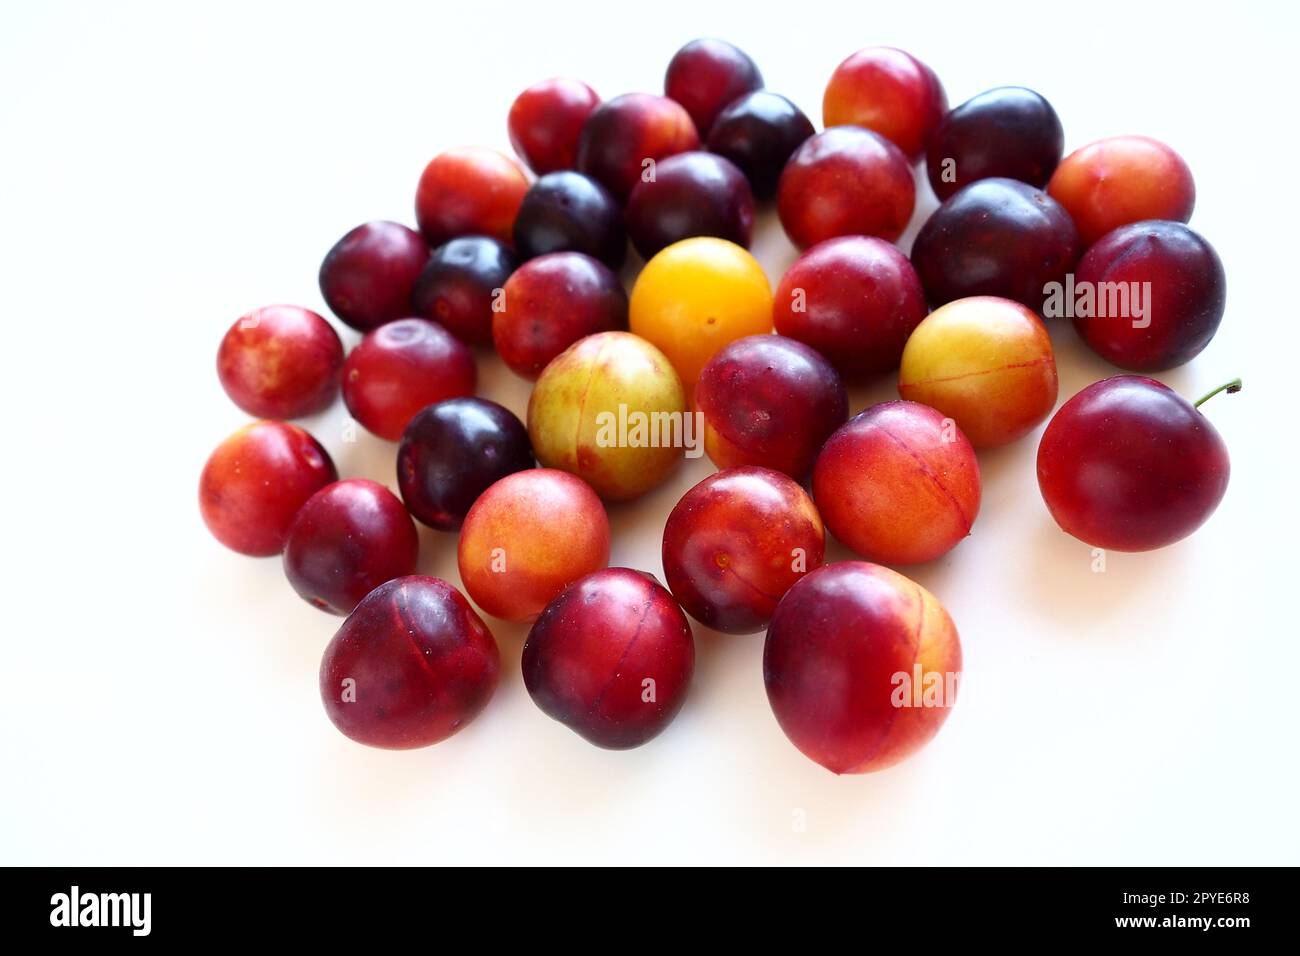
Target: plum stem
point(1229, 387)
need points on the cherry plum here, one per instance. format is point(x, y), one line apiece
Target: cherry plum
point(611, 658)
point(705, 75)
point(570, 212)
point(546, 120)
point(349, 538)
point(1178, 276)
point(626, 132)
point(401, 367)
point(736, 542)
point(453, 451)
point(368, 275)
point(460, 285)
point(890, 92)
point(411, 666)
point(552, 301)
point(861, 665)
point(769, 400)
point(256, 480)
point(280, 361)
point(845, 181)
point(527, 538)
point(985, 362)
point(1130, 465)
point(997, 237)
point(758, 132)
point(693, 194)
point(470, 190)
point(1122, 179)
point(899, 484)
point(1010, 132)
point(855, 299)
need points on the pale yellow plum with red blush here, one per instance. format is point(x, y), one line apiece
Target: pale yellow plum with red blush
point(985, 362)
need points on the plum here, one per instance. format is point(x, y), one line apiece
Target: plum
point(771, 401)
point(736, 542)
point(611, 658)
point(256, 480)
point(411, 666)
point(280, 361)
point(529, 536)
point(453, 451)
point(861, 665)
point(349, 538)
point(898, 484)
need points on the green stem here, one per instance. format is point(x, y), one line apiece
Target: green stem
point(1229, 387)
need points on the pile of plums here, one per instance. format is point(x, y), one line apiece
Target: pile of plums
point(860, 662)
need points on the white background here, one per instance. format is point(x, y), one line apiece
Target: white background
point(165, 170)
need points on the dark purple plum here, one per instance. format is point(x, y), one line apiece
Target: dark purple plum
point(995, 237)
point(1010, 132)
point(452, 452)
point(570, 212)
point(460, 282)
point(759, 132)
point(1187, 295)
point(692, 194)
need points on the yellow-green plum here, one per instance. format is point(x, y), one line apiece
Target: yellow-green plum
point(611, 410)
point(986, 363)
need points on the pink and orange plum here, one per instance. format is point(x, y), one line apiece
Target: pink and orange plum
point(987, 363)
point(898, 484)
point(611, 658)
point(862, 666)
point(349, 538)
point(596, 412)
point(845, 181)
point(368, 275)
point(1130, 465)
point(281, 361)
point(1122, 179)
point(855, 300)
point(412, 665)
point(529, 536)
point(256, 480)
point(890, 92)
point(470, 190)
point(736, 542)
point(771, 401)
point(401, 367)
